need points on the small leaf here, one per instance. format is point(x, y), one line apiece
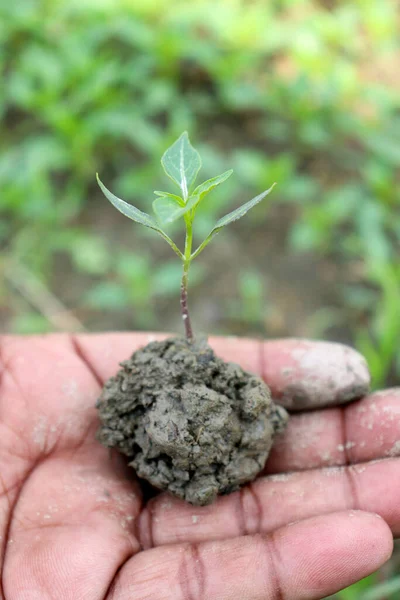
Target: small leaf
point(167, 210)
point(177, 199)
point(230, 217)
point(212, 183)
point(127, 209)
point(168, 207)
point(241, 211)
point(137, 215)
point(181, 162)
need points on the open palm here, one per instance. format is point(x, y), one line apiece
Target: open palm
point(74, 524)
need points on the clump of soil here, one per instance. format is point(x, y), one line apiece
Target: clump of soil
point(191, 423)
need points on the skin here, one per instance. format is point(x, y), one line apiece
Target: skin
point(74, 523)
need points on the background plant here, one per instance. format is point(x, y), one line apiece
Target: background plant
point(301, 92)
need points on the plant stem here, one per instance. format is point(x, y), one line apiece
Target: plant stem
point(184, 285)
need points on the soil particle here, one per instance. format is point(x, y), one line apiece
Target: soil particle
point(190, 423)
point(394, 450)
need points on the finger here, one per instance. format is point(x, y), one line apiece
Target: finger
point(301, 374)
point(307, 374)
point(72, 527)
point(71, 502)
point(45, 395)
point(305, 561)
point(52, 393)
point(273, 501)
point(364, 430)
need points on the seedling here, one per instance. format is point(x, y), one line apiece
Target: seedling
point(181, 163)
point(190, 423)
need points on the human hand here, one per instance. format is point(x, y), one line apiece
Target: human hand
point(73, 524)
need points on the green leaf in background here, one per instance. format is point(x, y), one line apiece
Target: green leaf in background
point(383, 591)
point(31, 322)
point(370, 589)
point(107, 295)
point(167, 278)
point(90, 254)
point(181, 162)
point(231, 217)
point(210, 184)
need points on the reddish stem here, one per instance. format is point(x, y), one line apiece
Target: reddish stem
point(184, 304)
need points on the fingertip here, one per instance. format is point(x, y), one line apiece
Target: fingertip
point(379, 534)
point(336, 550)
point(305, 374)
point(365, 538)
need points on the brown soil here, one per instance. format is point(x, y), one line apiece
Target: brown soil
point(191, 423)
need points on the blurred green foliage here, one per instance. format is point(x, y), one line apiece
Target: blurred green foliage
point(371, 588)
point(294, 91)
point(300, 92)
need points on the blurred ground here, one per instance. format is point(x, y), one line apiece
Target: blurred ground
point(294, 287)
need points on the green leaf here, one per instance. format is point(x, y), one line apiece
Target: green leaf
point(167, 210)
point(181, 162)
point(169, 207)
point(241, 211)
point(127, 209)
point(212, 183)
point(230, 217)
point(174, 197)
point(137, 215)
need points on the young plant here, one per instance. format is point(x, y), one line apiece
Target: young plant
point(181, 163)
